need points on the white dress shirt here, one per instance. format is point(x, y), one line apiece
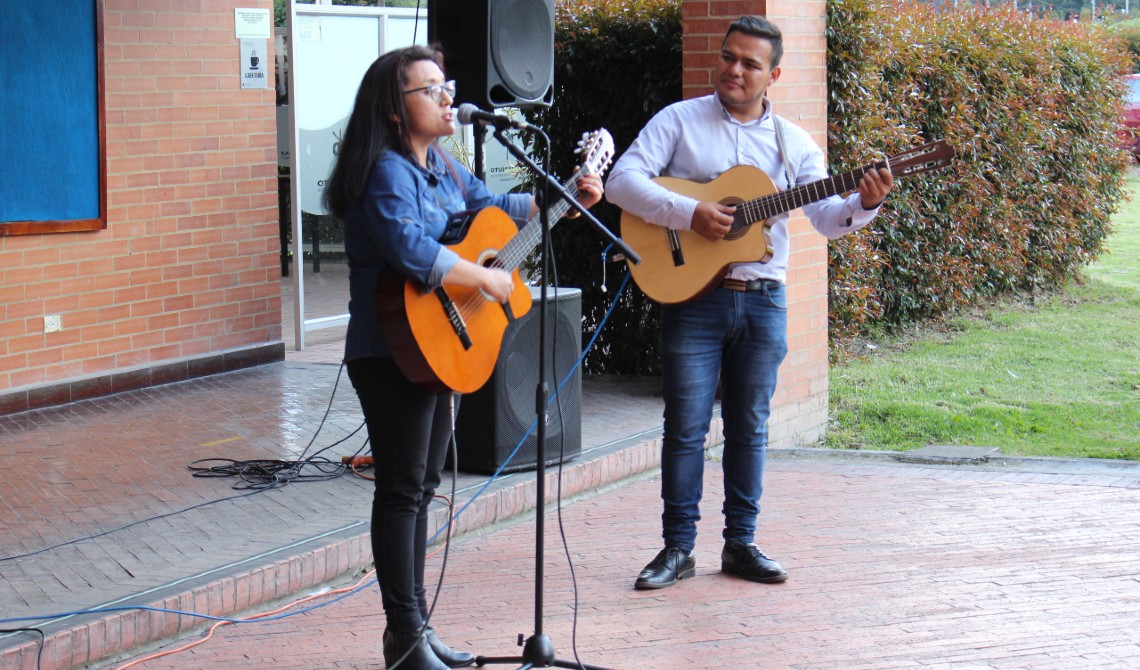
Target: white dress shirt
point(698, 140)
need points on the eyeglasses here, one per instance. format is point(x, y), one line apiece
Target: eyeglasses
point(436, 91)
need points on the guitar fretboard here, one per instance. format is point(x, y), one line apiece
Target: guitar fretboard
point(515, 251)
point(773, 204)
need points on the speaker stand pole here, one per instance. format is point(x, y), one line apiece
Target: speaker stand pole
point(538, 651)
point(479, 133)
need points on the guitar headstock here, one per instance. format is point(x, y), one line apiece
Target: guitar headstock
point(597, 151)
point(929, 156)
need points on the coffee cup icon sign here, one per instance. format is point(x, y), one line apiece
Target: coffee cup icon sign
point(253, 60)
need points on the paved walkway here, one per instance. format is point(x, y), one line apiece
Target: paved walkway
point(1012, 564)
point(892, 566)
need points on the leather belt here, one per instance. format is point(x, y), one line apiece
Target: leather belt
point(749, 285)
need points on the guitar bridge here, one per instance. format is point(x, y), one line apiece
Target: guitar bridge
point(454, 317)
point(675, 248)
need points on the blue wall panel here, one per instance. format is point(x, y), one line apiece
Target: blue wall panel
point(49, 112)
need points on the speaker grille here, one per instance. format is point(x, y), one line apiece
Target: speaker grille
point(492, 420)
point(499, 52)
point(522, 47)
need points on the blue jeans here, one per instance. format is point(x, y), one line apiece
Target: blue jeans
point(740, 338)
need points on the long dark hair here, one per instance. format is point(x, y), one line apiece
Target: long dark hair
point(379, 122)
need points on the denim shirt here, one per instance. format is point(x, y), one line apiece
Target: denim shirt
point(397, 224)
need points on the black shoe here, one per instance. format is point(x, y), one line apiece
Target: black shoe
point(747, 561)
point(420, 658)
point(670, 565)
point(450, 657)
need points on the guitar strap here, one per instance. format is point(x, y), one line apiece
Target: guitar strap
point(779, 122)
point(780, 144)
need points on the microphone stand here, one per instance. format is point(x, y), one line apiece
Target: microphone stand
point(479, 135)
point(538, 652)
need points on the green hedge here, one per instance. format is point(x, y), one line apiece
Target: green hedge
point(1032, 107)
point(1130, 33)
point(1030, 104)
point(617, 63)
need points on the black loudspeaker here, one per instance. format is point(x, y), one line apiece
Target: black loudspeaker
point(492, 420)
point(499, 52)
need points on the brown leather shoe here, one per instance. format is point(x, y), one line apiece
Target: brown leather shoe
point(747, 561)
point(670, 565)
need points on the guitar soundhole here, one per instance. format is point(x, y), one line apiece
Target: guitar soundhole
point(740, 223)
point(489, 259)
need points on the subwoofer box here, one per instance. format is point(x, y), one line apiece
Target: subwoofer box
point(492, 420)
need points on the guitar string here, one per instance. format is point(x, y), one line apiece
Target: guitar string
point(475, 301)
point(512, 254)
point(929, 156)
point(903, 164)
point(516, 249)
point(773, 204)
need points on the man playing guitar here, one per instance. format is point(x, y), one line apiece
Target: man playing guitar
point(735, 330)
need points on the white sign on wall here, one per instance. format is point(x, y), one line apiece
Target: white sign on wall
point(254, 66)
point(252, 23)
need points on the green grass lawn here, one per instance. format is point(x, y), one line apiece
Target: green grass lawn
point(1057, 378)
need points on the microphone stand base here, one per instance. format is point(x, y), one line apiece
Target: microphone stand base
point(538, 652)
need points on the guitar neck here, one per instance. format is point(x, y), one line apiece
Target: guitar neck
point(773, 204)
point(529, 236)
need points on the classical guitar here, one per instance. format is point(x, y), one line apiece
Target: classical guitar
point(449, 337)
point(680, 265)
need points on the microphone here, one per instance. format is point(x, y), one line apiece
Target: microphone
point(469, 114)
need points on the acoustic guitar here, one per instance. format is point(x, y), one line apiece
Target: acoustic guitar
point(449, 337)
point(680, 265)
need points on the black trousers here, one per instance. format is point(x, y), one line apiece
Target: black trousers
point(409, 430)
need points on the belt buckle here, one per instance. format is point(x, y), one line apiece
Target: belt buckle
point(734, 284)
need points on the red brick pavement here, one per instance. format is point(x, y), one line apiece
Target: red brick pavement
point(98, 508)
point(892, 566)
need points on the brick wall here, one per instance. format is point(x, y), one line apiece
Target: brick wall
point(800, 407)
point(184, 280)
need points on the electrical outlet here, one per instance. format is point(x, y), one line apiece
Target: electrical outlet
point(53, 323)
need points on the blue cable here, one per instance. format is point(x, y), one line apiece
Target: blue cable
point(210, 617)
